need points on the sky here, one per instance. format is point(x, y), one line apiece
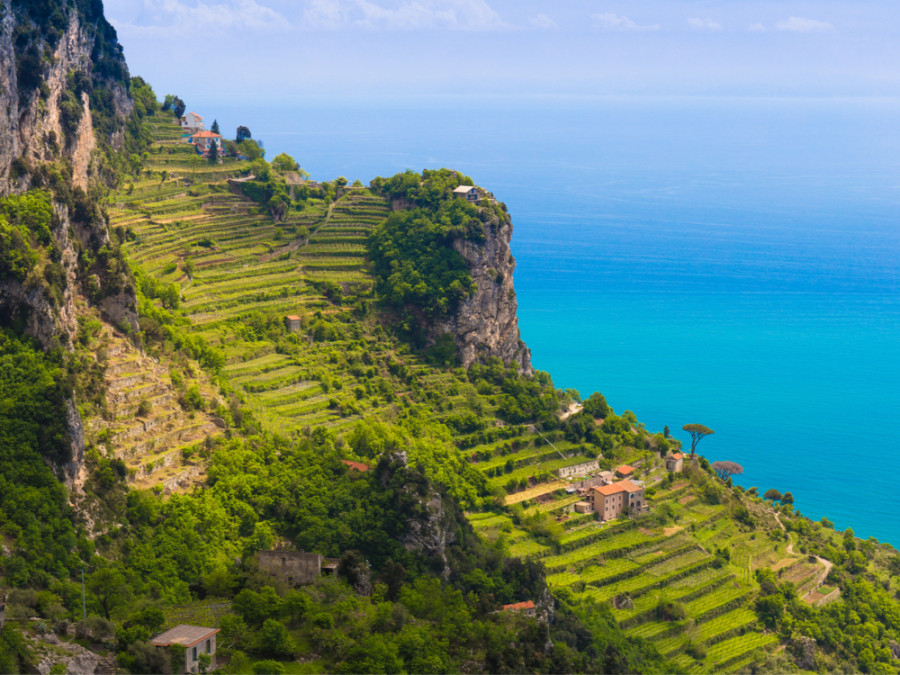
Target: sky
point(291, 50)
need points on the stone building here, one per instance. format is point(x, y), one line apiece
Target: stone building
point(196, 640)
point(579, 469)
point(675, 462)
point(294, 567)
point(468, 192)
point(610, 500)
point(292, 323)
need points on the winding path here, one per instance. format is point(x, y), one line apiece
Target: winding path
point(790, 550)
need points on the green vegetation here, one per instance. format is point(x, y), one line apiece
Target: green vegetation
point(242, 425)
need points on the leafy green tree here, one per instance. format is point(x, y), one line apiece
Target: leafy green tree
point(213, 152)
point(697, 432)
point(242, 134)
point(178, 108)
point(787, 498)
point(596, 405)
point(215, 127)
point(110, 588)
point(773, 495)
point(284, 163)
point(274, 640)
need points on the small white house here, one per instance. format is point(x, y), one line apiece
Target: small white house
point(192, 122)
point(468, 192)
point(196, 640)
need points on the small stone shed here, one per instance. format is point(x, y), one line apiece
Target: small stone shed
point(292, 323)
point(295, 568)
point(195, 639)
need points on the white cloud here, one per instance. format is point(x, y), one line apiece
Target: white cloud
point(756, 28)
point(542, 21)
point(173, 17)
point(614, 22)
point(403, 15)
point(704, 24)
point(798, 24)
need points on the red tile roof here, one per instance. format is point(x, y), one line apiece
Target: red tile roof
point(293, 317)
point(519, 606)
point(205, 134)
point(357, 466)
point(184, 635)
point(624, 470)
point(677, 455)
point(615, 488)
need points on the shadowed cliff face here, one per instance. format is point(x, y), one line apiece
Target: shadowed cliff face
point(63, 104)
point(485, 324)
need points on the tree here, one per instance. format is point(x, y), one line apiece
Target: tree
point(215, 127)
point(596, 405)
point(110, 588)
point(787, 498)
point(284, 162)
point(243, 134)
point(169, 102)
point(772, 494)
point(178, 107)
point(727, 469)
point(213, 152)
point(697, 432)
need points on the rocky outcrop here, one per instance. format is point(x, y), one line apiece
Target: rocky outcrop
point(485, 324)
point(55, 60)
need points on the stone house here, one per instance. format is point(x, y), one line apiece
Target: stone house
point(675, 462)
point(579, 469)
point(610, 500)
point(292, 323)
point(292, 567)
point(196, 640)
point(583, 507)
point(468, 192)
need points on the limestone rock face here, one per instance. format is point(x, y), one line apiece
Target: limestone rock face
point(48, 71)
point(486, 324)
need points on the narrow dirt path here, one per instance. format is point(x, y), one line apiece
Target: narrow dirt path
point(827, 564)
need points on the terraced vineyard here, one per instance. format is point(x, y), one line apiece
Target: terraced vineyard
point(635, 565)
point(247, 272)
point(238, 273)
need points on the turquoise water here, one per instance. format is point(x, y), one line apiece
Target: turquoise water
point(733, 263)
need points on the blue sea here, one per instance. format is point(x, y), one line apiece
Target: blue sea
point(732, 262)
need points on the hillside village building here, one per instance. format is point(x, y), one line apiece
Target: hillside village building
point(527, 608)
point(579, 469)
point(610, 501)
point(468, 192)
point(196, 640)
point(295, 568)
point(192, 123)
point(624, 471)
point(202, 141)
point(675, 462)
point(292, 323)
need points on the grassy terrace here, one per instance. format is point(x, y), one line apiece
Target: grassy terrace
point(636, 564)
point(247, 272)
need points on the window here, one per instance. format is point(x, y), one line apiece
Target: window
point(194, 654)
point(207, 646)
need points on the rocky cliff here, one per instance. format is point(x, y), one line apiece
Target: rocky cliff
point(64, 101)
point(486, 323)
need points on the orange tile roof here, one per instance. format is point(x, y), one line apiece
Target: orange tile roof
point(615, 488)
point(293, 317)
point(518, 606)
point(205, 134)
point(625, 469)
point(184, 635)
point(358, 466)
point(677, 455)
